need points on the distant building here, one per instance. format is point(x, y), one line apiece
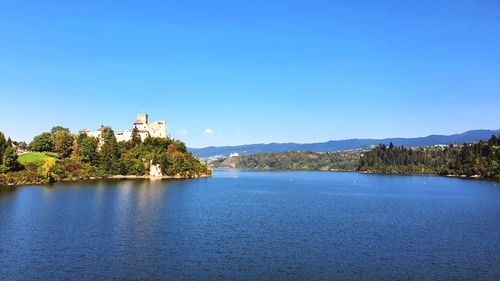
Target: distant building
point(234, 155)
point(157, 129)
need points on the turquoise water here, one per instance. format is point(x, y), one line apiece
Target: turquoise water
point(254, 226)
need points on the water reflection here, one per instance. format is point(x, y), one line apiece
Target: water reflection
point(253, 226)
point(6, 193)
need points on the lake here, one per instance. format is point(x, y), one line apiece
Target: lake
point(241, 225)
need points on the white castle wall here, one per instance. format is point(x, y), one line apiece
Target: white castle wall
point(156, 129)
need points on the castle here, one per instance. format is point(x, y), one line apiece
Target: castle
point(157, 129)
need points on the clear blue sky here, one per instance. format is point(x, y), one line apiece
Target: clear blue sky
point(251, 71)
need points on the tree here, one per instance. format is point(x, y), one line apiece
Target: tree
point(57, 129)
point(109, 154)
point(63, 143)
point(87, 148)
point(10, 159)
point(47, 169)
point(493, 140)
point(180, 146)
point(136, 138)
point(42, 142)
point(3, 146)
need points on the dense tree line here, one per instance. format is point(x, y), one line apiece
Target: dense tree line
point(295, 160)
point(471, 159)
point(83, 156)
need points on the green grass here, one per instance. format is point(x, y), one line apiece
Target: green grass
point(35, 157)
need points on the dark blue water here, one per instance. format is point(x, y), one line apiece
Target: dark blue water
point(254, 226)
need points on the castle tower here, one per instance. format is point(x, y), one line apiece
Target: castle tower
point(142, 122)
point(142, 118)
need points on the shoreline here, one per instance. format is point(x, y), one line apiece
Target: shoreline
point(465, 177)
point(112, 177)
point(123, 177)
point(179, 177)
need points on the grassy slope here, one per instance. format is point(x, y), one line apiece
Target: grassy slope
point(33, 157)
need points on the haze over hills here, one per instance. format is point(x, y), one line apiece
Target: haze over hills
point(339, 145)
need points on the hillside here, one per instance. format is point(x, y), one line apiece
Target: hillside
point(477, 160)
point(339, 145)
point(295, 160)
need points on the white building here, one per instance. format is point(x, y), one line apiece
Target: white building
point(157, 129)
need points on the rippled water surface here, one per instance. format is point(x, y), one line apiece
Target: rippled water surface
point(254, 226)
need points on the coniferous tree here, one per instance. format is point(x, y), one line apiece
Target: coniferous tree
point(108, 153)
point(3, 146)
point(136, 138)
point(479, 159)
point(10, 159)
point(493, 140)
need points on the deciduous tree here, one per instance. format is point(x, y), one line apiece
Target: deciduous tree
point(87, 149)
point(63, 143)
point(42, 142)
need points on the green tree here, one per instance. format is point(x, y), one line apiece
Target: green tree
point(57, 129)
point(63, 143)
point(10, 159)
point(42, 142)
point(136, 138)
point(3, 146)
point(109, 153)
point(87, 148)
point(493, 140)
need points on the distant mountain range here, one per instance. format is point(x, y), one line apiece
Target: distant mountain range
point(339, 145)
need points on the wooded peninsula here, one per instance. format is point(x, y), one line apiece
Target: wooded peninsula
point(59, 155)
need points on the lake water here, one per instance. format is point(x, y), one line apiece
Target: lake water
point(254, 226)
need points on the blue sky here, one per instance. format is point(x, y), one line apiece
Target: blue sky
point(251, 71)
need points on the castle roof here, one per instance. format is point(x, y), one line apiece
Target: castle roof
point(139, 122)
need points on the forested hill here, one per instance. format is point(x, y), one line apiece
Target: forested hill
point(480, 159)
point(339, 145)
point(294, 160)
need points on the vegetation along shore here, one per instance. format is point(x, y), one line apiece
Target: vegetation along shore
point(473, 160)
point(59, 155)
